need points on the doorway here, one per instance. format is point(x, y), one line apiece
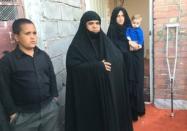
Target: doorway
point(144, 8)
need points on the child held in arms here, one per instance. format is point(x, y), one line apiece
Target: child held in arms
point(135, 33)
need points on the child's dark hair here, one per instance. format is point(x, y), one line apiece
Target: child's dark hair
point(16, 26)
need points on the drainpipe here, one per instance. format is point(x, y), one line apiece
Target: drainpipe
point(151, 51)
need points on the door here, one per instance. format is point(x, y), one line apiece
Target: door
point(9, 11)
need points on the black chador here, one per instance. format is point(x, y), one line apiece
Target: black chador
point(133, 60)
point(96, 100)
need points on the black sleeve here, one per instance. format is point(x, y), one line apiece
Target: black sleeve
point(5, 89)
point(53, 83)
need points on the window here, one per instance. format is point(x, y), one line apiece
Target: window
point(9, 9)
point(8, 12)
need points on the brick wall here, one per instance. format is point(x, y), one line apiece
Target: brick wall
point(170, 11)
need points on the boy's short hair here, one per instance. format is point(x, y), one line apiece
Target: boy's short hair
point(16, 26)
point(136, 16)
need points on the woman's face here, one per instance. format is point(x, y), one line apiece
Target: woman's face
point(120, 19)
point(93, 26)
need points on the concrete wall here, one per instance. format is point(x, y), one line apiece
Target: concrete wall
point(56, 22)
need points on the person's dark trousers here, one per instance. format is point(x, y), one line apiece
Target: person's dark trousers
point(4, 126)
point(44, 120)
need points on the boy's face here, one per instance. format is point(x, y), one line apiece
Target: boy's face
point(27, 37)
point(136, 23)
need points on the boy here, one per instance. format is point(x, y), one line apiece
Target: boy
point(135, 34)
point(28, 83)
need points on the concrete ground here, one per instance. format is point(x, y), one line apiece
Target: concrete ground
point(159, 120)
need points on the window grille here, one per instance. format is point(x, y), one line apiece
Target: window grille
point(10, 10)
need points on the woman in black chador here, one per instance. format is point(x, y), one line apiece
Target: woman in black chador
point(96, 93)
point(120, 21)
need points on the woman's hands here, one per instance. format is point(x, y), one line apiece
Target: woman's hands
point(107, 65)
